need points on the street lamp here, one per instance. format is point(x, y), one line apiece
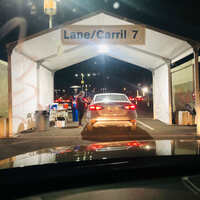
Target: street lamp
point(116, 5)
point(50, 9)
point(144, 90)
point(75, 87)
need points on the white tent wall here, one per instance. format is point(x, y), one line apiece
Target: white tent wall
point(3, 89)
point(161, 94)
point(24, 92)
point(182, 75)
point(46, 88)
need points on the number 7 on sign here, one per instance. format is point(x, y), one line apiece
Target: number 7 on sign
point(135, 32)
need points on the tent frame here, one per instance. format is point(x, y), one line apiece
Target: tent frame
point(194, 44)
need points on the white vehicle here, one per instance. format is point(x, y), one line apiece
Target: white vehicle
point(111, 109)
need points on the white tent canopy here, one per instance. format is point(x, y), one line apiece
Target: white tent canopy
point(35, 61)
point(54, 55)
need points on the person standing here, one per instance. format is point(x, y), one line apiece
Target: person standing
point(80, 104)
point(74, 109)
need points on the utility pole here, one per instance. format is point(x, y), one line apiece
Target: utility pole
point(82, 80)
point(50, 9)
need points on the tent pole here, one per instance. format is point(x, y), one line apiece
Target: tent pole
point(50, 21)
point(170, 90)
point(10, 117)
point(53, 75)
point(154, 103)
point(10, 48)
point(38, 86)
point(196, 87)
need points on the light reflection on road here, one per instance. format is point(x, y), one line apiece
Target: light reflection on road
point(104, 150)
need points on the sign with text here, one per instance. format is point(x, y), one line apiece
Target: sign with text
point(115, 34)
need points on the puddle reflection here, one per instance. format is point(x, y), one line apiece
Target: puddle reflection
point(104, 150)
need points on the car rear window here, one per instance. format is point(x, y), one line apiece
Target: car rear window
point(106, 98)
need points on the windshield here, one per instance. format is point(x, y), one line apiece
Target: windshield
point(95, 80)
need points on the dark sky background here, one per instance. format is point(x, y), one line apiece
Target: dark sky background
point(110, 73)
point(179, 17)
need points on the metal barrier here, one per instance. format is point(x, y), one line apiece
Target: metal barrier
point(4, 128)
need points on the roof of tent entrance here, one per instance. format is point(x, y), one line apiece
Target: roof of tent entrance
point(47, 48)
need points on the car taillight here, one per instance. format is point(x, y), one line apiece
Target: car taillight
point(133, 143)
point(130, 107)
point(140, 99)
point(95, 147)
point(95, 107)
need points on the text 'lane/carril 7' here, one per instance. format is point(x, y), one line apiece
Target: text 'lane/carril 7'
point(126, 34)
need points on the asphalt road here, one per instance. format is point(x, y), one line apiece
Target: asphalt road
point(147, 129)
point(28, 142)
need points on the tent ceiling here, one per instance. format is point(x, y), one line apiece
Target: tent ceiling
point(48, 49)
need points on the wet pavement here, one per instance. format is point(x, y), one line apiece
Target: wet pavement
point(147, 129)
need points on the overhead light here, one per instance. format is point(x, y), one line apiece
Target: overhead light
point(75, 87)
point(76, 75)
point(102, 48)
point(88, 75)
point(74, 10)
point(147, 147)
point(29, 3)
point(145, 89)
point(33, 9)
point(116, 5)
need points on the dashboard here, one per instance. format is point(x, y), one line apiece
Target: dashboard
point(159, 189)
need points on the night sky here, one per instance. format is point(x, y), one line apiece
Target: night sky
point(110, 73)
point(179, 17)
